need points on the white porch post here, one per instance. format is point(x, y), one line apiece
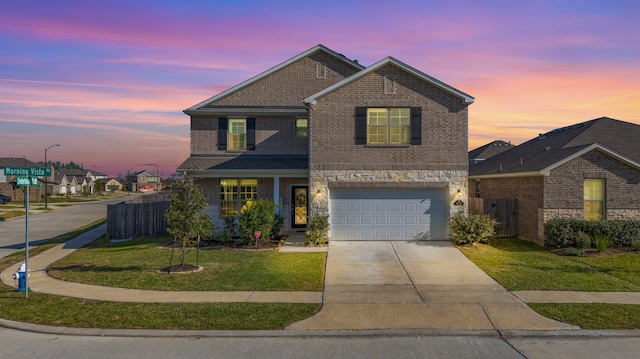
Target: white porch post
point(276, 192)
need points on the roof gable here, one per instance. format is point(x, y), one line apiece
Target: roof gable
point(273, 70)
point(554, 148)
point(390, 60)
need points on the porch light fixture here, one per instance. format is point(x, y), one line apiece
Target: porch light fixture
point(459, 193)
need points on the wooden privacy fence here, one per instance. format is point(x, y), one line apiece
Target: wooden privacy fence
point(143, 216)
point(503, 210)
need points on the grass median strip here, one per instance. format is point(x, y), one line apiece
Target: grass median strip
point(521, 265)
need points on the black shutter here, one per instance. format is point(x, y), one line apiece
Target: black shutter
point(223, 125)
point(361, 125)
point(416, 125)
point(251, 134)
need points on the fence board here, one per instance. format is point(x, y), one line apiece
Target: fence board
point(503, 210)
point(141, 217)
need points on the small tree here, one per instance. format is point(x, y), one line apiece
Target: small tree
point(186, 219)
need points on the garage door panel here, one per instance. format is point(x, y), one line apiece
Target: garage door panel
point(366, 214)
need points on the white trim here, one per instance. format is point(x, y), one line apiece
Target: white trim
point(390, 60)
point(271, 71)
point(547, 170)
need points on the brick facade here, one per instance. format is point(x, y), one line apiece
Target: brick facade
point(275, 99)
point(334, 155)
point(530, 194)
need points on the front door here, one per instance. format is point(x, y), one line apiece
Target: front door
point(299, 206)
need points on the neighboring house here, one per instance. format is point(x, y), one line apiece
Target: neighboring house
point(489, 150)
point(110, 184)
point(382, 150)
point(589, 170)
point(8, 184)
point(144, 181)
point(71, 181)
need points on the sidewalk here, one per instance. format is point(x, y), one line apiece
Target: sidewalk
point(403, 285)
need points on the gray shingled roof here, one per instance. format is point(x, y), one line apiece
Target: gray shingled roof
point(613, 136)
point(489, 150)
point(249, 162)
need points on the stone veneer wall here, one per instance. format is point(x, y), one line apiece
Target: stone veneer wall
point(323, 180)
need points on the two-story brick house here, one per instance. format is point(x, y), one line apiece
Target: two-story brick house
point(382, 150)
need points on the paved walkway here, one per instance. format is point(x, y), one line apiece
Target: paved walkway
point(390, 285)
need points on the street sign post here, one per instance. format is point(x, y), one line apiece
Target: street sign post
point(26, 177)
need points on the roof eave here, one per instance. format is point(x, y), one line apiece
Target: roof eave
point(468, 99)
point(272, 70)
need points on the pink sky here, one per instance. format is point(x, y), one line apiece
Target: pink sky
point(108, 80)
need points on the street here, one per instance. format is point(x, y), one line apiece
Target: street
point(280, 344)
point(49, 224)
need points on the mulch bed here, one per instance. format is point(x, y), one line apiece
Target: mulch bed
point(595, 254)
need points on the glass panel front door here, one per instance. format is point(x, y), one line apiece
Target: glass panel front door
point(299, 206)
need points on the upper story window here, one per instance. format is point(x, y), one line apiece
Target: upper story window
point(594, 198)
point(302, 125)
point(237, 136)
point(388, 126)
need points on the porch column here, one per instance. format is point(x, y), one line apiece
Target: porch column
point(276, 193)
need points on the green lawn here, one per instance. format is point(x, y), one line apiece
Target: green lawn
point(521, 265)
point(295, 271)
point(136, 264)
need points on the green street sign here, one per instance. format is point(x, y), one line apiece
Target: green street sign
point(27, 171)
point(27, 181)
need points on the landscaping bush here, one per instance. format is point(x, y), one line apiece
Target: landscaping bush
point(317, 232)
point(562, 233)
point(583, 240)
point(636, 244)
point(602, 241)
point(466, 229)
point(259, 215)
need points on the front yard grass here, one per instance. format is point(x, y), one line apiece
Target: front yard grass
point(136, 264)
point(291, 271)
point(520, 265)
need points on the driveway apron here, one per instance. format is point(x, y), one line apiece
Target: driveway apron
point(415, 285)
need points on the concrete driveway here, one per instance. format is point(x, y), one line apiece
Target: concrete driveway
point(417, 285)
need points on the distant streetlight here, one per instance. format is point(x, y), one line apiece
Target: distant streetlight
point(46, 187)
point(157, 175)
point(126, 180)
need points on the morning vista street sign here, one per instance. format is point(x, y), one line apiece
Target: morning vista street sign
point(27, 171)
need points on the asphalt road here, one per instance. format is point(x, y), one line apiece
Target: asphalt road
point(19, 344)
point(46, 225)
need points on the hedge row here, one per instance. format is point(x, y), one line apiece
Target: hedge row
point(562, 233)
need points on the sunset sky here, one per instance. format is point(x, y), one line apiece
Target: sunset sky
point(108, 80)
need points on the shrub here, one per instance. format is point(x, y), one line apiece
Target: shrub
point(317, 232)
point(472, 228)
point(636, 244)
point(562, 233)
point(259, 215)
point(602, 241)
point(583, 240)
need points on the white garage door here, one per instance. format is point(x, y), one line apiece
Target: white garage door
point(388, 214)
